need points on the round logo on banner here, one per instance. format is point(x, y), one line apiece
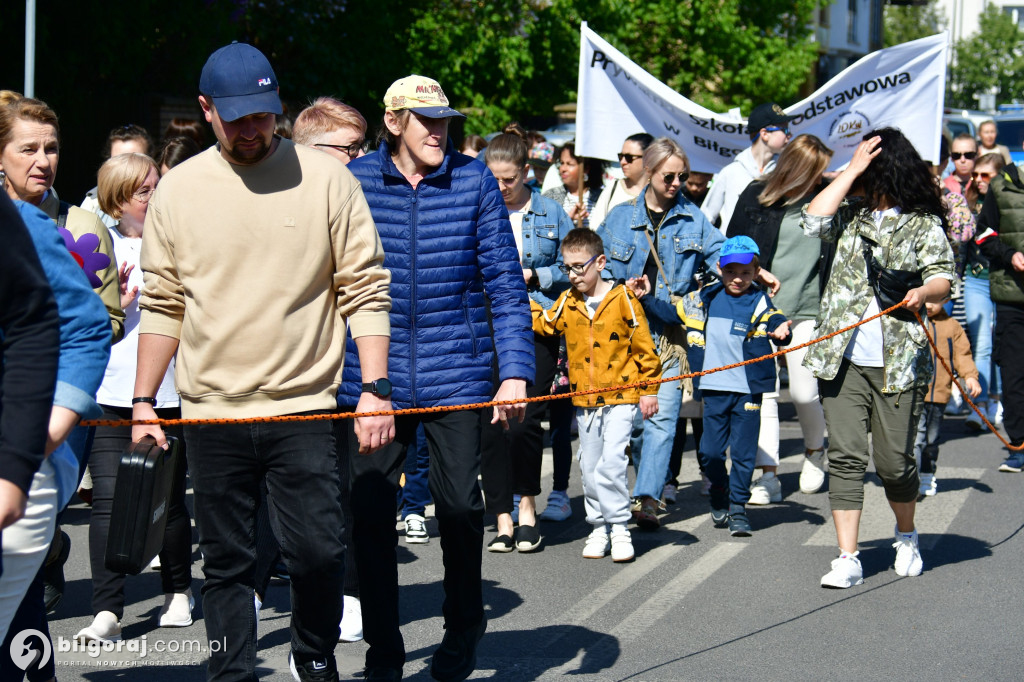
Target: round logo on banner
point(847, 129)
point(24, 654)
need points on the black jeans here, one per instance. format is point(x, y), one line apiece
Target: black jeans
point(176, 554)
point(300, 465)
point(1006, 349)
point(454, 441)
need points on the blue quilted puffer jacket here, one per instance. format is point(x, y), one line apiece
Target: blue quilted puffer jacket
point(447, 243)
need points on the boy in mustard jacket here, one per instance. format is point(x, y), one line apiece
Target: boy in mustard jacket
point(609, 344)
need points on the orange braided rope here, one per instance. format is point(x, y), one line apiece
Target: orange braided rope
point(942, 360)
point(475, 406)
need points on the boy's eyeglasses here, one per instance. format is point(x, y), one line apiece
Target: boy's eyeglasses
point(956, 156)
point(669, 177)
point(575, 269)
point(351, 150)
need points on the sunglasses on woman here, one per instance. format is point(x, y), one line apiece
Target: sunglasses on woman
point(669, 177)
point(982, 176)
point(628, 158)
point(956, 156)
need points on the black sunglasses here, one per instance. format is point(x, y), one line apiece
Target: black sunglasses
point(668, 177)
point(956, 156)
point(629, 158)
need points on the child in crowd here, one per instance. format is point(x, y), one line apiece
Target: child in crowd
point(609, 345)
point(955, 348)
point(722, 330)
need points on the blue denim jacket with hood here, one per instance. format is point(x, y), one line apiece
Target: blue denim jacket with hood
point(84, 337)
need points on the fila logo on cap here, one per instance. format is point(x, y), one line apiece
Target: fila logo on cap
point(263, 81)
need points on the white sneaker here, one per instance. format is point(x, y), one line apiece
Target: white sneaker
point(416, 530)
point(177, 610)
point(995, 413)
point(669, 493)
point(908, 555)
point(351, 628)
point(597, 544)
point(622, 544)
point(766, 490)
point(846, 572)
point(974, 422)
point(705, 485)
point(928, 485)
point(812, 475)
point(154, 565)
point(105, 627)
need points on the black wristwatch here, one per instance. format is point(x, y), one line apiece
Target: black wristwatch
point(380, 388)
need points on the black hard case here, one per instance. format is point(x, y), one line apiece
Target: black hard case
point(142, 492)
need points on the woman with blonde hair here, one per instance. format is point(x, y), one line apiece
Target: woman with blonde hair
point(126, 183)
point(768, 211)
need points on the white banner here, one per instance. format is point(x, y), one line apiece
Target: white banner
point(901, 86)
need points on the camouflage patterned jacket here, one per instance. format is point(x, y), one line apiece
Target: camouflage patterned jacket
point(905, 242)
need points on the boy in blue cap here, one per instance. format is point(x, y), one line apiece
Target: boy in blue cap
point(720, 331)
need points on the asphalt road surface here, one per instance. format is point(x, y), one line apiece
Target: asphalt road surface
point(696, 604)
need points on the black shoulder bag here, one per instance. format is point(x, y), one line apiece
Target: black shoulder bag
point(890, 286)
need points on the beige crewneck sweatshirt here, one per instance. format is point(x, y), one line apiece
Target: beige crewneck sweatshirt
point(255, 270)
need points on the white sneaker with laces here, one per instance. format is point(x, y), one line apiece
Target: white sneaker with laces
point(766, 490)
point(351, 628)
point(812, 475)
point(669, 494)
point(177, 610)
point(846, 572)
point(105, 627)
point(416, 530)
point(928, 485)
point(621, 544)
point(908, 555)
point(597, 544)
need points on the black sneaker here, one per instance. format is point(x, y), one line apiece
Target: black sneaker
point(739, 524)
point(53, 572)
point(455, 659)
point(316, 670)
point(382, 674)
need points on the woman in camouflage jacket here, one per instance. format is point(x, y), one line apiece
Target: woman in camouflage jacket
point(874, 378)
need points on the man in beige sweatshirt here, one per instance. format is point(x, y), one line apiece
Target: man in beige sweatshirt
point(257, 253)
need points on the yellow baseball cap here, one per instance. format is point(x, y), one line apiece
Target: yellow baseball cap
point(420, 94)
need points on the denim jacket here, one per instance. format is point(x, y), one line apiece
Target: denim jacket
point(544, 227)
point(686, 240)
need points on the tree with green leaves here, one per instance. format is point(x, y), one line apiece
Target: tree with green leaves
point(991, 60)
point(903, 23)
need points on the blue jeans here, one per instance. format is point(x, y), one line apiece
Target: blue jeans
point(981, 320)
point(651, 444)
point(730, 421)
point(415, 494)
point(926, 446)
point(227, 462)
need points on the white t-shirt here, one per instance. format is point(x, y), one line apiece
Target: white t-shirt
point(865, 348)
point(594, 302)
point(516, 218)
point(612, 195)
point(118, 385)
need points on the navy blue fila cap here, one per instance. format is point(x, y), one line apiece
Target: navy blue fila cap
point(240, 81)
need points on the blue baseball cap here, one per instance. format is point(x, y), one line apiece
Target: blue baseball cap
point(738, 250)
point(240, 81)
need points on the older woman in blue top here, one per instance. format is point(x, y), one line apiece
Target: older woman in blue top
point(686, 242)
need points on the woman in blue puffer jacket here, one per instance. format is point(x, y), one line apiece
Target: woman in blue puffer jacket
point(448, 243)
